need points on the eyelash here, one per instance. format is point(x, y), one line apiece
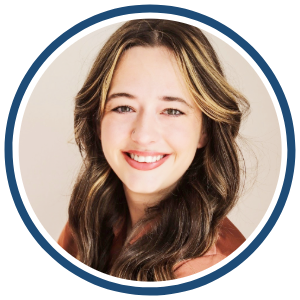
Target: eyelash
point(122, 106)
point(177, 112)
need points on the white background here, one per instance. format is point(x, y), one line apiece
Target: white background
point(27, 28)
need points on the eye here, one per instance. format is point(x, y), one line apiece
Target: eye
point(123, 109)
point(172, 112)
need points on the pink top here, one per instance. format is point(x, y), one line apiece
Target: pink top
point(230, 238)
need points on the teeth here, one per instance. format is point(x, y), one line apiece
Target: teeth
point(147, 159)
point(141, 159)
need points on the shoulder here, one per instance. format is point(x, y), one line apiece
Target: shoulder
point(66, 240)
point(229, 239)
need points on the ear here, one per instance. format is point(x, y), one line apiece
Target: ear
point(202, 140)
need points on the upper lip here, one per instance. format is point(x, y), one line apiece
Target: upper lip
point(145, 153)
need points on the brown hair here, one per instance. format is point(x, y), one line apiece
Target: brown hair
point(184, 224)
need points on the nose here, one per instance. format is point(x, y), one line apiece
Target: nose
point(146, 129)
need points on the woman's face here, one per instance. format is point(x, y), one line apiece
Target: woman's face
point(151, 127)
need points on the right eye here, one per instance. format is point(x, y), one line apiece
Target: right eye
point(123, 109)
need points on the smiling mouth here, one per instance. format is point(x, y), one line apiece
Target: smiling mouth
point(145, 159)
point(145, 162)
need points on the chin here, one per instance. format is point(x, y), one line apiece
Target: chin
point(144, 187)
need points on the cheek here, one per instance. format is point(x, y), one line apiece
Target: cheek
point(183, 137)
point(113, 132)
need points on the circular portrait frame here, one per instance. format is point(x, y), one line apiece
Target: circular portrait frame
point(289, 131)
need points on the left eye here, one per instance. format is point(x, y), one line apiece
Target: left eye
point(123, 109)
point(172, 112)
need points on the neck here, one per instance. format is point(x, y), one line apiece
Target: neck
point(138, 203)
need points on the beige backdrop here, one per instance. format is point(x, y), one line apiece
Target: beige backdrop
point(49, 159)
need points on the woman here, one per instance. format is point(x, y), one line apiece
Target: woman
point(155, 122)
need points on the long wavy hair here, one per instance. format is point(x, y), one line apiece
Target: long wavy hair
point(184, 225)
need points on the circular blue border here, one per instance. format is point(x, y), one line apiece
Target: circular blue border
point(290, 137)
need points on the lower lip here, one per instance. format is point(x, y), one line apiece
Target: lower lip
point(143, 166)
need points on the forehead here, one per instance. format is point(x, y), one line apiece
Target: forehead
point(139, 54)
point(151, 71)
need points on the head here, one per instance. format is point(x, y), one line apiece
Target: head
point(156, 91)
point(151, 127)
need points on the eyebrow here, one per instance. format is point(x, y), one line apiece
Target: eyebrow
point(117, 95)
point(170, 99)
point(164, 98)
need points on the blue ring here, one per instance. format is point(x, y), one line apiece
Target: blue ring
point(290, 137)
